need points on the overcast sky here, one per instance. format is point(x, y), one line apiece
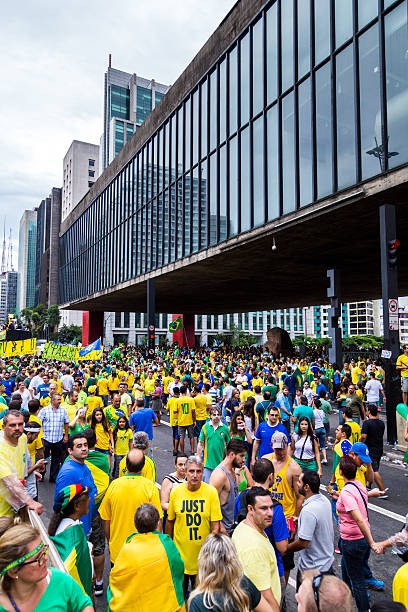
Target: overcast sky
point(53, 58)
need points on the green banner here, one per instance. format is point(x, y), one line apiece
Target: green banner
point(61, 352)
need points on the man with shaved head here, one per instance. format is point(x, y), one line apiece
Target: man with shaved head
point(123, 498)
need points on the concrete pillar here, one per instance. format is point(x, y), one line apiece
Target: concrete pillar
point(334, 317)
point(92, 326)
point(185, 336)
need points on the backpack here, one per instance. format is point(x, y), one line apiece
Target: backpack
point(243, 511)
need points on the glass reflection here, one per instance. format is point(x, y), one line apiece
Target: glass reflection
point(305, 143)
point(346, 121)
point(288, 153)
point(258, 172)
point(324, 131)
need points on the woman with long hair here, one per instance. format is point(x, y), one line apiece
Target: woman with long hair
point(221, 584)
point(305, 447)
point(123, 442)
point(27, 583)
point(103, 432)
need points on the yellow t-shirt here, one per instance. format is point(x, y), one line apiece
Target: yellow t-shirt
point(258, 558)
point(92, 402)
point(123, 437)
point(193, 513)
point(355, 431)
point(34, 447)
point(148, 471)
point(166, 381)
point(120, 503)
point(102, 437)
point(257, 382)
point(355, 372)
point(13, 462)
point(173, 411)
point(243, 396)
point(45, 401)
point(360, 475)
point(71, 409)
point(130, 380)
point(185, 406)
point(149, 386)
point(58, 383)
point(400, 586)
point(403, 361)
point(201, 407)
point(102, 386)
point(113, 383)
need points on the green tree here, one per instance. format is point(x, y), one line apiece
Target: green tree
point(53, 317)
point(235, 336)
point(69, 334)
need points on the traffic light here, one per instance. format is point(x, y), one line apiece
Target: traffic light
point(392, 252)
point(151, 337)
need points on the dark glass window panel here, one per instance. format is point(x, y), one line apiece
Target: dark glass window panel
point(223, 193)
point(346, 121)
point(213, 116)
point(322, 30)
point(143, 103)
point(273, 162)
point(258, 67)
point(396, 57)
point(187, 214)
point(223, 100)
point(203, 206)
point(233, 186)
point(287, 43)
point(344, 20)
point(187, 143)
point(288, 153)
point(180, 134)
point(324, 131)
point(213, 199)
point(196, 210)
point(367, 11)
point(244, 79)
point(172, 171)
point(258, 171)
point(168, 228)
point(245, 182)
point(303, 9)
point(204, 111)
point(305, 143)
point(271, 54)
point(119, 102)
point(233, 90)
point(179, 189)
point(370, 106)
point(173, 212)
point(195, 127)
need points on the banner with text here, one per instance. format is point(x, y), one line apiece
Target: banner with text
point(64, 352)
point(16, 348)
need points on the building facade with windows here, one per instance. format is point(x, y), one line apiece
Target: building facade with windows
point(8, 294)
point(128, 100)
point(27, 240)
point(80, 169)
point(289, 103)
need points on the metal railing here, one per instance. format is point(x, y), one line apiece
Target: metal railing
point(54, 560)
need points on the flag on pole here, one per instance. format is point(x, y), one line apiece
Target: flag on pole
point(176, 325)
point(74, 552)
point(95, 346)
point(299, 378)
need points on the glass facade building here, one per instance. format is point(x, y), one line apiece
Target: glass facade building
point(311, 98)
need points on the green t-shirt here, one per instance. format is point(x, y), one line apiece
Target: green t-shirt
point(326, 407)
point(91, 382)
point(78, 428)
point(62, 594)
point(215, 441)
point(300, 411)
point(273, 390)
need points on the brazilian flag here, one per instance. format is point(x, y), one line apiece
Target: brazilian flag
point(98, 463)
point(176, 325)
point(73, 549)
point(299, 378)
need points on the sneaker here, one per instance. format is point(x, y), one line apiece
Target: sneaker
point(385, 496)
point(98, 589)
point(324, 461)
point(337, 551)
point(375, 585)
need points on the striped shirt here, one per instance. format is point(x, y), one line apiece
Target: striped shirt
point(53, 423)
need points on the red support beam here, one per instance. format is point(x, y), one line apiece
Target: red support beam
point(185, 336)
point(92, 326)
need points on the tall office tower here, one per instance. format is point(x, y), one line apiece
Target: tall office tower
point(27, 241)
point(128, 100)
point(8, 294)
point(80, 171)
point(47, 249)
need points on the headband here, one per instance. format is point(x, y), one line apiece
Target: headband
point(22, 559)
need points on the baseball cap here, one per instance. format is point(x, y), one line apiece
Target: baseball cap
point(279, 440)
point(362, 451)
point(92, 389)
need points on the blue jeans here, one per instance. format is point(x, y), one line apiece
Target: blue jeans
point(207, 475)
point(147, 400)
point(353, 571)
point(356, 420)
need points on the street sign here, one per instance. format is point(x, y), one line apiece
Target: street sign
point(151, 351)
point(151, 328)
point(393, 306)
point(386, 354)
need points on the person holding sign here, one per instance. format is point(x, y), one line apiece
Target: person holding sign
point(194, 512)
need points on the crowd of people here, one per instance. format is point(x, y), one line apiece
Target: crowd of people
point(221, 530)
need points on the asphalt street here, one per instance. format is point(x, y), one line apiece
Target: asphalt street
point(386, 516)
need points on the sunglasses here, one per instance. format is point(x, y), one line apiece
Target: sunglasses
point(41, 558)
point(317, 580)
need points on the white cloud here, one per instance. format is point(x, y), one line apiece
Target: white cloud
point(53, 61)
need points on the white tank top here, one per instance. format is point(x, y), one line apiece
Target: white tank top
point(308, 450)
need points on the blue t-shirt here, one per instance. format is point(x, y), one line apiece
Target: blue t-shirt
point(320, 388)
point(9, 385)
point(43, 390)
point(300, 411)
point(142, 420)
point(283, 400)
point(277, 531)
point(72, 472)
point(264, 433)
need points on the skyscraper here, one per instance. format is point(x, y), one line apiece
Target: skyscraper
point(26, 259)
point(128, 100)
point(80, 171)
point(8, 294)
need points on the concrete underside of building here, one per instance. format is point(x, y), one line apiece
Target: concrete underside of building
point(244, 273)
